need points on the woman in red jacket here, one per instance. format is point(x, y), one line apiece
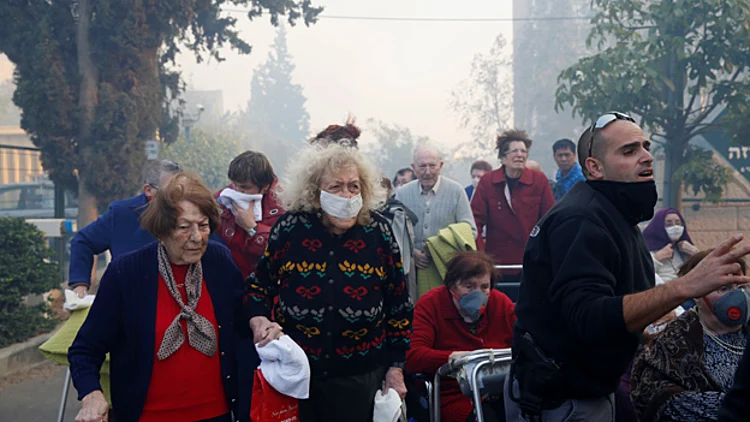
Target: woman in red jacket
point(464, 315)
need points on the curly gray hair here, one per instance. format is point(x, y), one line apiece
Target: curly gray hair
point(299, 189)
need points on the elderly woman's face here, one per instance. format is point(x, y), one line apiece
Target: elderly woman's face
point(345, 183)
point(468, 285)
point(189, 240)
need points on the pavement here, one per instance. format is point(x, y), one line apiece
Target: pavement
point(33, 395)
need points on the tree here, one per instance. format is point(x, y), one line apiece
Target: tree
point(484, 101)
point(95, 80)
point(542, 47)
point(276, 119)
point(675, 64)
point(393, 146)
point(26, 267)
point(208, 153)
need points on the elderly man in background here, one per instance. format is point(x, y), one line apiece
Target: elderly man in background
point(117, 230)
point(436, 200)
point(510, 200)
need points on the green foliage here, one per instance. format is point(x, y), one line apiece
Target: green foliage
point(133, 45)
point(208, 153)
point(26, 267)
point(276, 119)
point(673, 63)
point(700, 173)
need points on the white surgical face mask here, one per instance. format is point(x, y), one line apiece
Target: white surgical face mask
point(475, 181)
point(340, 207)
point(675, 232)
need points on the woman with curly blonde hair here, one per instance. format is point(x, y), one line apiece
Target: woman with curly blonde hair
point(334, 279)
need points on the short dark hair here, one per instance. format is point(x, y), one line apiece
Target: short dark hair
point(512, 135)
point(481, 165)
point(253, 167)
point(161, 214)
point(697, 257)
point(469, 264)
point(403, 172)
point(584, 141)
point(564, 143)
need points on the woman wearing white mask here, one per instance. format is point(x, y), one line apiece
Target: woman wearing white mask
point(669, 242)
point(333, 279)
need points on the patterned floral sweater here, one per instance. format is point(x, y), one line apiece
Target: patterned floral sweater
point(343, 299)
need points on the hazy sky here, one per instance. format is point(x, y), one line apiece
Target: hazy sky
point(397, 72)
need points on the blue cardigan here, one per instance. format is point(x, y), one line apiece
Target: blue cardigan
point(117, 230)
point(122, 322)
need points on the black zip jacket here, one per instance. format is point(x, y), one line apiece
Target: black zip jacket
point(580, 261)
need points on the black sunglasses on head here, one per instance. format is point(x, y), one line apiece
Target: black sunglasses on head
point(604, 120)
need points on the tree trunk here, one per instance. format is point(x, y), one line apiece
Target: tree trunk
point(673, 160)
point(87, 99)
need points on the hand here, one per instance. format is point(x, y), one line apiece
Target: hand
point(244, 218)
point(687, 248)
point(455, 355)
point(81, 291)
point(394, 379)
point(265, 331)
point(664, 254)
point(94, 408)
point(422, 260)
point(716, 270)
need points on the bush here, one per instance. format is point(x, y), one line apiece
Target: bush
point(26, 267)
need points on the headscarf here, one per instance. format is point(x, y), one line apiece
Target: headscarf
point(655, 233)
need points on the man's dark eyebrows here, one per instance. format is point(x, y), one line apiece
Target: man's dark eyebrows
point(633, 144)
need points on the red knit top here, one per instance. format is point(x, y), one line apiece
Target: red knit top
point(186, 386)
point(440, 330)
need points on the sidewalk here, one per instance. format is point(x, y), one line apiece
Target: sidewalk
point(34, 395)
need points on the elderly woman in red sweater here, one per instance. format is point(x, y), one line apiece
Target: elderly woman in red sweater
point(465, 314)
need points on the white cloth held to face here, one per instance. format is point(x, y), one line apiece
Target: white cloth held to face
point(73, 302)
point(387, 407)
point(285, 366)
point(340, 207)
point(244, 200)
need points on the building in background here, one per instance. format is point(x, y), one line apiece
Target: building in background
point(19, 159)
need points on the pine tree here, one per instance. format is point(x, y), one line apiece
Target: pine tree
point(95, 79)
point(276, 119)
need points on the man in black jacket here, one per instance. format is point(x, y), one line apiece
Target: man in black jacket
point(588, 283)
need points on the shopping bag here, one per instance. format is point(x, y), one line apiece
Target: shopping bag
point(268, 405)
